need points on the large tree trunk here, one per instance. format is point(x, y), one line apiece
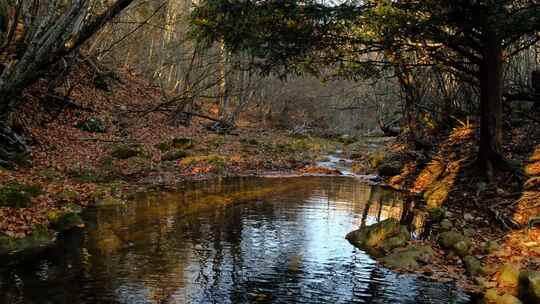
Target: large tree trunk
point(491, 77)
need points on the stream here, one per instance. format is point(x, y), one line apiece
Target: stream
point(234, 240)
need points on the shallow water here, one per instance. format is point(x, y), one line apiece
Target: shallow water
point(241, 240)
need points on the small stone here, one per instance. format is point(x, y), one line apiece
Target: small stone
point(468, 217)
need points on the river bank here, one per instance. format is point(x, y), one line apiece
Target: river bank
point(105, 145)
point(483, 233)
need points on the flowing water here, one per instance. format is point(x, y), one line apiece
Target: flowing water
point(238, 240)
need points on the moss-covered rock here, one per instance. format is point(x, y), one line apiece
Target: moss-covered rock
point(455, 242)
point(473, 265)
point(93, 124)
point(446, 225)
point(66, 221)
point(40, 238)
point(529, 286)
point(18, 195)
point(383, 236)
point(409, 258)
point(174, 155)
point(509, 275)
point(125, 151)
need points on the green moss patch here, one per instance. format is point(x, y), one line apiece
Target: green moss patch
point(18, 195)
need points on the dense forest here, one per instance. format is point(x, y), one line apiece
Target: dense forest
point(435, 100)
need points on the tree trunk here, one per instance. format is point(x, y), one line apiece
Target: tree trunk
point(491, 135)
point(408, 89)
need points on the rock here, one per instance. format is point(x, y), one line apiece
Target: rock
point(125, 151)
point(173, 155)
point(508, 299)
point(408, 258)
point(473, 266)
point(67, 221)
point(456, 242)
point(93, 124)
point(468, 217)
point(446, 225)
point(509, 275)
point(529, 286)
point(385, 235)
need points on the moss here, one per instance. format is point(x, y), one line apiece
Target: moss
point(125, 151)
point(67, 221)
point(455, 242)
point(93, 124)
point(409, 258)
point(50, 174)
point(179, 143)
point(18, 195)
point(41, 237)
point(383, 236)
point(174, 155)
point(182, 143)
point(529, 286)
point(473, 265)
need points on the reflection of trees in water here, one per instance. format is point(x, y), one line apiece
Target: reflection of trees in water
point(166, 247)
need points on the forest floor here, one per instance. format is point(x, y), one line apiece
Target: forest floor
point(110, 140)
point(491, 217)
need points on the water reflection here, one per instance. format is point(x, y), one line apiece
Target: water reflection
point(230, 241)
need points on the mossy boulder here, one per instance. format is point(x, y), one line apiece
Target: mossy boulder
point(40, 238)
point(455, 242)
point(93, 124)
point(529, 286)
point(409, 258)
point(66, 221)
point(380, 237)
point(174, 155)
point(125, 151)
point(509, 275)
point(18, 195)
point(473, 265)
point(446, 225)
